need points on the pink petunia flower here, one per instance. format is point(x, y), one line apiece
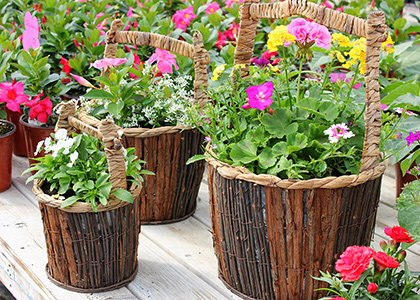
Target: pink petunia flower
point(183, 17)
point(165, 60)
point(384, 106)
point(212, 8)
point(334, 77)
point(337, 131)
point(107, 62)
point(40, 109)
point(13, 94)
point(356, 85)
point(259, 96)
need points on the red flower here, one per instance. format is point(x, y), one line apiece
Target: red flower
point(353, 262)
point(372, 288)
point(66, 67)
point(232, 32)
point(40, 110)
point(221, 40)
point(398, 234)
point(13, 94)
point(267, 54)
point(384, 261)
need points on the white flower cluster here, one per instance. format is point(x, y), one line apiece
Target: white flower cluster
point(62, 141)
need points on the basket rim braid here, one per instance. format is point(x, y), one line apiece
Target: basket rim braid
point(375, 32)
point(107, 133)
point(195, 51)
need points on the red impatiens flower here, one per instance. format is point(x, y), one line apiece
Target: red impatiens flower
point(40, 109)
point(398, 234)
point(66, 67)
point(384, 261)
point(13, 94)
point(353, 262)
point(221, 40)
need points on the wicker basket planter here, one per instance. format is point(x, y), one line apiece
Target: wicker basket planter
point(272, 235)
point(171, 195)
point(88, 251)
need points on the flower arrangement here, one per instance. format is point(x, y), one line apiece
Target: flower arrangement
point(367, 274)
point(141, 94)
point(288, 120)
point(75, 169)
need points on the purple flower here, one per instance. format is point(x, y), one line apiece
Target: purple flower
point(412, 137)
point(259, 96)
point(261, 62)
point(207, 139)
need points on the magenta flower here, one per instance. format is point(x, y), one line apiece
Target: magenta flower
point(212, 8)
point(13, 94)
point(384, 106)
point(229, 3)
point(306, 32)
point(300, 29)
point(130, 12)
point(412, 137)
point(261, 62)
point(320, 35)
point(334, 77)
point(83, 81)
point(30, 37)
point(107, 62)
point(337, 131)
point(165, 60)
point(183, 17)
point(356, 85)
point(259, 96)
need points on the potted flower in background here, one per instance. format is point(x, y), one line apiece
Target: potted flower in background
point(88, 193)
point(7, 129)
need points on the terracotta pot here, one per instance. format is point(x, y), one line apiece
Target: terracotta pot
point(6, 146)
point(19, 142)
point(401, 180)
point(33, 135)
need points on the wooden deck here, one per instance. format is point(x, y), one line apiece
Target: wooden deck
point(176, 261)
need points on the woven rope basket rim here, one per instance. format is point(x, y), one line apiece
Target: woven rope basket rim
point(78, 207)
point(236, 172)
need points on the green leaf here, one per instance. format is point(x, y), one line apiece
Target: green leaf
point(280, 123)
point(399, 91)
point(280, 149)
point(123, 195)
point(215, 19)
point(244, 152)
point(309, 104)
point(40, 63)
point(282, 164)
point(319, 59)
point(258, 136)
point(296, 141)
point(196, 158)
point(147, 172)
point(69, 201)
point(328, 110)
point(266, 159)
point(98, 94)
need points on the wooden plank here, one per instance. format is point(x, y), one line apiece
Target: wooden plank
point(162, 276)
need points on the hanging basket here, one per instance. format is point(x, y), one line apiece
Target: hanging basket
point(272, 236)
point(88, 251)
point(170, 195)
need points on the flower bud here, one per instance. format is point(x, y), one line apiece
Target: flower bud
point(270, 111)
point(393, 245)
point(372, 288)
point(383, 244)
point(401, 256)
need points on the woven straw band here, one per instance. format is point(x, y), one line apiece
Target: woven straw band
point(136, 132)
point(107, 133)
point(374, 29)
point(197, 52)
point(241, 173)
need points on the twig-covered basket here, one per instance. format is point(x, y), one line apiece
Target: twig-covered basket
point(171, 194)
point(88, 251)
point(272, 235)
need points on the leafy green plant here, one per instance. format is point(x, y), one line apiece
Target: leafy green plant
point(75, 169)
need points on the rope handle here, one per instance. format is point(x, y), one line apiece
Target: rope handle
point(106, 132)
point(195, 51)
point(373, 29)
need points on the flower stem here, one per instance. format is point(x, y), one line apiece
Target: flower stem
point(287, 78)
point(298, 86)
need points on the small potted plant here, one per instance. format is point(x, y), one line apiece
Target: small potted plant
point(89, 202)
point(7, 129)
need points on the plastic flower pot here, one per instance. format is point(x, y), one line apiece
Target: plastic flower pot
point(7, 130)
point(19, 142)
point(33, 135)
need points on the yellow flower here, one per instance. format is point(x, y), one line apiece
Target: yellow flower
point(337, 55)
point(341, 40)
point(280, 36)
point(218, 71)
point(388, 45)
point(236, 67)
point(357, 54)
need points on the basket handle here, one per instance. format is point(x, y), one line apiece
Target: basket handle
point(107, 133)
point(373, 29)
point(196, 52)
